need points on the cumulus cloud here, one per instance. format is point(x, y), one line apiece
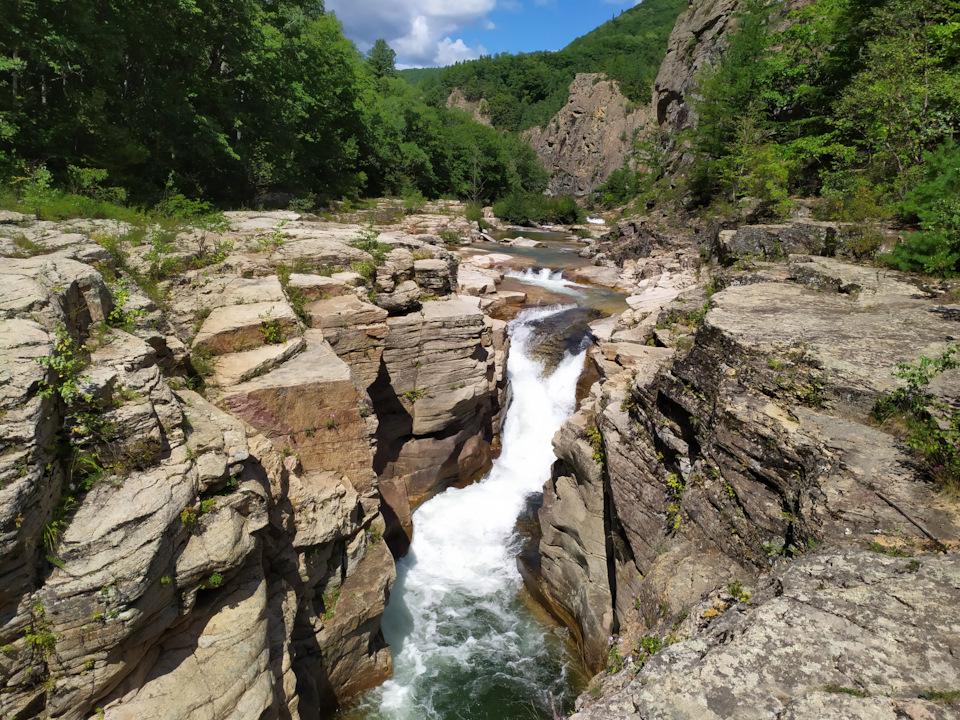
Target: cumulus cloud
point(423, 32)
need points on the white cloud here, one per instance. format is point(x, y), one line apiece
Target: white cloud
point(449, 52)
point(421, 31)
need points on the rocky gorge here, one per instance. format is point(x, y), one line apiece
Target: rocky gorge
point(172, 554)
point(214, 441)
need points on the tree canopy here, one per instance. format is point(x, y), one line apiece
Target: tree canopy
point(228, 100)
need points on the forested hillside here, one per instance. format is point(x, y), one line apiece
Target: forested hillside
point(228, 101)
point(528, 89)
point(853, 103)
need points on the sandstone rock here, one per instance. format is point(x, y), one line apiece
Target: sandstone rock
point(318, 287)
point(214, 668)
point(311, 405)
point(355, 330)
point(235, 328)
point(234, 368)
point(475, 282)
point(573, 546)
point(882, 630)
point(478, 109)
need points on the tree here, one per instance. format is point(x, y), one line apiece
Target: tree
point(382, 60)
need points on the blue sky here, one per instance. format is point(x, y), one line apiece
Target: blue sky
point(427, 33)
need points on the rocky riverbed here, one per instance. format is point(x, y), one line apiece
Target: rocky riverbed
point(200, 507)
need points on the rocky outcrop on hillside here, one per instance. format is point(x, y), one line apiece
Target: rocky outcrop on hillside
point(172, 554)
point(590, 137)
point(697, 43)
point(476, 108)
point(729, 438)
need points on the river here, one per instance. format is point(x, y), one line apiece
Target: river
point(467, 643)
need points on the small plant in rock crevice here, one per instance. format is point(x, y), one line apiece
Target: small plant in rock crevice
point(933, 427)
point(271, 329)
point(599, 455)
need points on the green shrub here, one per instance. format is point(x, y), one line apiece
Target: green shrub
point(935, 203)
point(933, 426)
point(529, 209)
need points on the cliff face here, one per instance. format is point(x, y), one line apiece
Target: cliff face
point(730, 437)
point(476, 109)
point(590, 137)
point(167, 554)
point(697, 42)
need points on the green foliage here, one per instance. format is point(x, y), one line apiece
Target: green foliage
point(416, 394)
point(675, 488)
point(66, 363)
point(845, 100)
point(614, 658)
point(212, 97)
point(845, 691)
point(121, 316)
point(933, 426)
point(941, 696)
point(530, 209)
point(39, 634)
point(367, 241)
point(214, 581)
point(381, 60)
point(935, 202)
point(887, 550)
point(737, 592)
point(599, 455)
point(620, 188)
point(270, 328)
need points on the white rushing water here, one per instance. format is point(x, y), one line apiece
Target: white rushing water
point(464, 644)
point(550, 279)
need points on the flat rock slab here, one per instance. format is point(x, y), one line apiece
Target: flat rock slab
point(489, 260)
point(319, 287)
point(222, 292)
point(828, 624)
point(857, 342)
point(234, 368)
point(235, 328)
point(472, 281)
point(345, 311)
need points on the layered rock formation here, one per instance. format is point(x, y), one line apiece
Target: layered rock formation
point(168, 554)
point(730, 436)
point(590, 137)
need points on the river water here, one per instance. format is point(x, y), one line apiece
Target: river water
point(467, 643)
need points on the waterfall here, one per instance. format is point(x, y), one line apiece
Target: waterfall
point(464, 644)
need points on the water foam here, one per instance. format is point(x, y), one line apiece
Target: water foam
point(550, 279)
point(464, 645)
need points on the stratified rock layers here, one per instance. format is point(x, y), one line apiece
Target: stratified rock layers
point(168, 555)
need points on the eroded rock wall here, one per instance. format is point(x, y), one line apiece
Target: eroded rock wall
point(592, 136)
point(730, 437)
point(171, 554)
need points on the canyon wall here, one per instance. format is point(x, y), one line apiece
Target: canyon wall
point(200, 494)
point(728, 450)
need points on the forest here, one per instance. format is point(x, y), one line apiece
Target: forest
point(230, 101)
